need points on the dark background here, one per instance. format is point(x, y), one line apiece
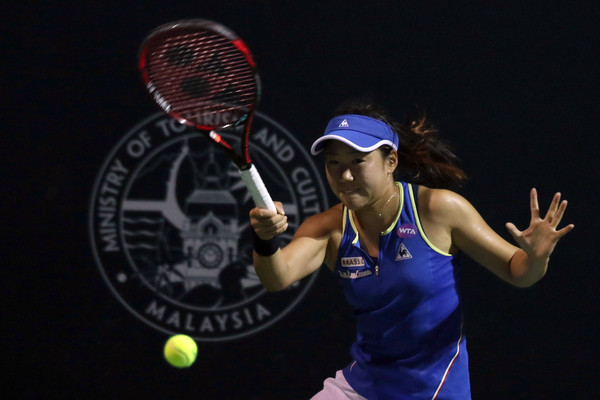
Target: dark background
point(512, 85)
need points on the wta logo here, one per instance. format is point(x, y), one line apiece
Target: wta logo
point(407, 231)
point(170, 232)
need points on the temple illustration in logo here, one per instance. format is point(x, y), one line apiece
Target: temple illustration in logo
point(196, 245)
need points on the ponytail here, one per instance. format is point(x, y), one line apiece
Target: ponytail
point(422, 156)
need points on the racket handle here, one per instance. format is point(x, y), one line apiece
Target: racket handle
point(257, 188)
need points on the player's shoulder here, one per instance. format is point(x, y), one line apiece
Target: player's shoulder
point(439, 196)
point(325, 223)
point(330, 218)
point(441, 203)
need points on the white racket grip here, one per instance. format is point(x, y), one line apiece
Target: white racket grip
point(257, 188)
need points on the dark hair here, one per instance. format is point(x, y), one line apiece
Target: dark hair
point(422, 157)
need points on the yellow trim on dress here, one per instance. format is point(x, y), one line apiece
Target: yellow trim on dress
point(418, 221)
point(353, 227)
point(344, 219)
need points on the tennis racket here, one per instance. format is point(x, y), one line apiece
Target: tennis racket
point(203, 75)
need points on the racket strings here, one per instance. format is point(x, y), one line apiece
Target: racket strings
point(203, 71)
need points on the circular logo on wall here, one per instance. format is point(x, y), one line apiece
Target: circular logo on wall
point(170, 232)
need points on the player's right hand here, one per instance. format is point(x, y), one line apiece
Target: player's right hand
point(267, 223)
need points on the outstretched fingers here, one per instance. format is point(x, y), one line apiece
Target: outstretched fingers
point(534, 205)
point(553, 209)
point(558, 217)
point(565, 230)
point(556, 211)
point(539, 239)
point(513, 230)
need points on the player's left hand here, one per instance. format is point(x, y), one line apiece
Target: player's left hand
point(540, 238)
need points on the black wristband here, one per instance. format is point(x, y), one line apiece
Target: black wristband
point(264, 247)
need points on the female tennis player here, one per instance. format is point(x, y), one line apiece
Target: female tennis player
point(393, 243)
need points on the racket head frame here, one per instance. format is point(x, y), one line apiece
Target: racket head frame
point(242, 159)
point(180, 30)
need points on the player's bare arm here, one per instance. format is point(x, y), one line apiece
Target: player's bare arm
point(461, 227)
point(312, 245)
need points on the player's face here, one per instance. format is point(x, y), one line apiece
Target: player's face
point(358, 179)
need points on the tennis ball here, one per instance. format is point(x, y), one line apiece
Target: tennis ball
point(180, 351)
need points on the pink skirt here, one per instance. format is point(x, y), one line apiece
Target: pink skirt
point(337, 389)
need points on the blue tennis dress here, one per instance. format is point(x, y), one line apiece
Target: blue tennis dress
point(410, 343)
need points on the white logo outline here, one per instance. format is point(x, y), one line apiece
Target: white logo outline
point(211, 254)
point(403, 253)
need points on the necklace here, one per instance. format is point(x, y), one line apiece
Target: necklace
point(388, 200)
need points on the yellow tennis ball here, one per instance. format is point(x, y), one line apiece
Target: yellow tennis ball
point(180, 351)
